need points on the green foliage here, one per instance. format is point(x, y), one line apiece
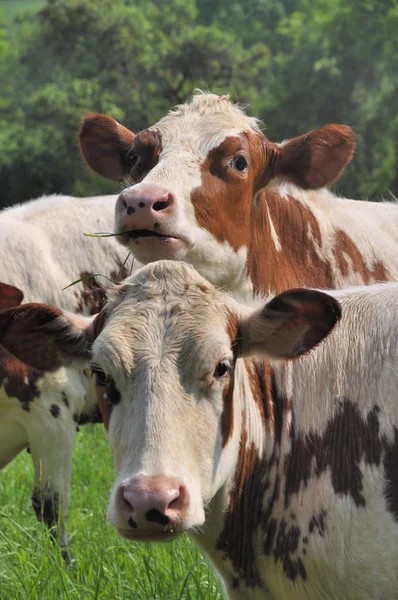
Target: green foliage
point(104, 566)
point(297, 63)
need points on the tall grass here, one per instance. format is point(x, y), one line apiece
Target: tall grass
point(103, 565)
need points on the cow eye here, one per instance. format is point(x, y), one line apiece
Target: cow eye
point(221, 369)
point(100, 377)
point(240, 163)
point(133, 159)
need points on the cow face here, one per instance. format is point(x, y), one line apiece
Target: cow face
point(193, 179)
point(170, 386)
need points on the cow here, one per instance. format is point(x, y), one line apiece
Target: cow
point(42, 403)
point(43, 250)
point(206, 186)
point(284, 472)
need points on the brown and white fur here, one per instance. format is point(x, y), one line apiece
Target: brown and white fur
point(43, 399)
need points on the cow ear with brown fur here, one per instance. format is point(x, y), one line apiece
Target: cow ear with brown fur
point(289, 325)
point(9, 296)
point(316, 159)
point(104, 144)
point(44, 337)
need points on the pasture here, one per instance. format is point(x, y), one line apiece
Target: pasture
point(13, 8)
point(104, 566)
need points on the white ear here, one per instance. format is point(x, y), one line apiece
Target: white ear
point(289, 325)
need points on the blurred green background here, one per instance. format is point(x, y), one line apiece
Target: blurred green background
point(297, 63)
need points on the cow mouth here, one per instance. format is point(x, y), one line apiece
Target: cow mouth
point(149, 536)
point(147, 233)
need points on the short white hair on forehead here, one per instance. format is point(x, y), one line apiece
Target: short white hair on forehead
point(160, 277)
point(207, 104)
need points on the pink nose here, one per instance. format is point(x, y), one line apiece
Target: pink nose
point(144, 206)
point(152, 503)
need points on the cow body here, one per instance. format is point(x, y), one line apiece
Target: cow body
point(284, 473)
point(40, 408)
point(43, 250)
point(250, 215)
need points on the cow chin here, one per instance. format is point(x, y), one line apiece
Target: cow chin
point(162, 537)
point(150, 249)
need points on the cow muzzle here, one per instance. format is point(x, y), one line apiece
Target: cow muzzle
point(151, 508)
point(145, 219)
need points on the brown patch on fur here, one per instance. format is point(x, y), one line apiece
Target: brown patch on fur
point(347, 439)
point(298, 264)
point(227, 419)
point(242, 518)
point(98, 324)
point(222, 203)
point(93, 295)
point(270, 403)
point(345, 245)
point(107, 397)
point(390, 464)
point(21, 379)
point(93, 417)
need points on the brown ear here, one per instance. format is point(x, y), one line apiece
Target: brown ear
point(104, 144)
point(316, 159)
point(9, 296)
point(290, 324)
point(42, 336)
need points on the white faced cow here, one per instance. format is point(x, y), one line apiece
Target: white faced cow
point(209, 188)
point(45, 392)
point(284, 473)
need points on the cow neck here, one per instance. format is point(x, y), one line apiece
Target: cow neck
point(288, 249)
point(265, 430)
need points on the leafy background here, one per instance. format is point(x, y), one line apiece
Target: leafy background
point(297, 63)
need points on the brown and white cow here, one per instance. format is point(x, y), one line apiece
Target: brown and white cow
point(206, 186)
point(284, 473)
point(45, 393)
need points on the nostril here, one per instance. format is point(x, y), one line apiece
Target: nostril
point(132, 523)
point(158, 206)
point(154, 515)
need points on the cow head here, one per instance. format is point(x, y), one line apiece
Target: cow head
point(170, 385)
point(193, 178)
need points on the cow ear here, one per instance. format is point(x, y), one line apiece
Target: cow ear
point(44, 337)
point(316, 159)
point(9, 296)
point(289, 325)
point(104, 144)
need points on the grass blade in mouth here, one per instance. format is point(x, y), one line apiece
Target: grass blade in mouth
point(104, 234)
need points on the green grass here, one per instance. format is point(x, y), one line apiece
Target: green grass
point(104, 566)
point(12, 8)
